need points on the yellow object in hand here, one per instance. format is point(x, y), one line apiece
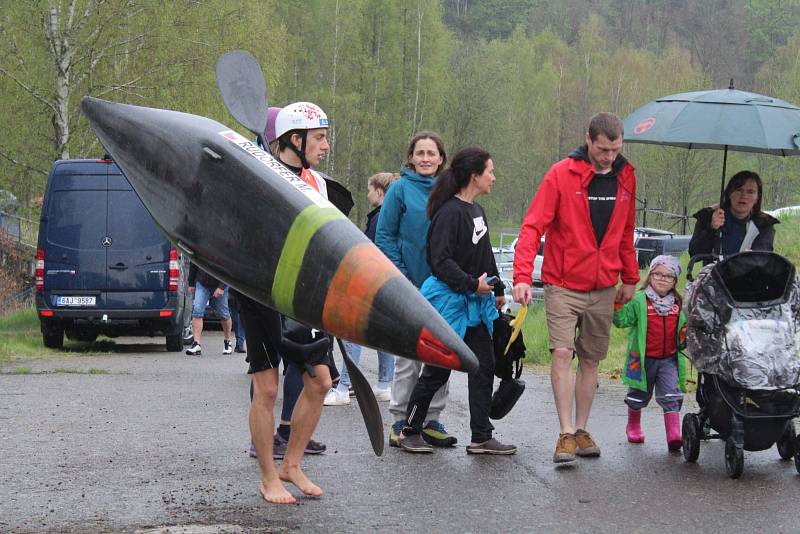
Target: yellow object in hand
point(516, 324)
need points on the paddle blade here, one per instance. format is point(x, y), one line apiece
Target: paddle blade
point(243, 89)
point(366, 402)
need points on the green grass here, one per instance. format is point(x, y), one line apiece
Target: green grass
point(59, 370)
point(74, 371)
point(21, 338)
point(787, 238)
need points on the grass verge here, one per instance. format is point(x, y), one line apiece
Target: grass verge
point(21, 338)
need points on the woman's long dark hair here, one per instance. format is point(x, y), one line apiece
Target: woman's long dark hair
point(419, 136)
point(737, 181)
point(467, 163)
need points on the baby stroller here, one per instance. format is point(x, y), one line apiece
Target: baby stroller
point(743, 336)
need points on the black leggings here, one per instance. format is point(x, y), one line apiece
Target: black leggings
point(480, 385)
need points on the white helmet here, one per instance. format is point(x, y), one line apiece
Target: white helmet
point(300, 116)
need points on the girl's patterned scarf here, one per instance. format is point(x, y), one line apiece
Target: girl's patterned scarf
point(662, 305)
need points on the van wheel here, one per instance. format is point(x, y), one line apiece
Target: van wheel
point(53, 338)
point(174, 343)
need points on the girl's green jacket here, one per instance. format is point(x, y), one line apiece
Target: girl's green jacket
point(633, 315)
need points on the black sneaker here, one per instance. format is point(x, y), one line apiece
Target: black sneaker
point(491, 446)
point(315, 447)
point(194, 350)
point(414, 443)
point(227, 348)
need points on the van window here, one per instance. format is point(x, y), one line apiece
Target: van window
point(66, 181)
point(123, 207)
point(77, 219)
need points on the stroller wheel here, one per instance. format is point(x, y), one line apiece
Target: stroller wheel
point(690, 430)
point(734, 459)
point(786, 443)
point(797, 454)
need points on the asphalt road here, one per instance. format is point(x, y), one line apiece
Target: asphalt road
point(157, 442)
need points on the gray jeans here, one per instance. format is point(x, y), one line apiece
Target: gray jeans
point(662, 374)
point(406, 374)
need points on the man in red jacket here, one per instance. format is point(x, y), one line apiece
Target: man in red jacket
point(586, 203)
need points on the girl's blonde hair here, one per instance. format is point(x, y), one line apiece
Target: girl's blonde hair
point(382, 180)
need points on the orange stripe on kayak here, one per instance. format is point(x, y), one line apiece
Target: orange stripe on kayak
point(361, 274)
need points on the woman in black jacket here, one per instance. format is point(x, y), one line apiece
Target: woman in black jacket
point(464, 277)
point(740, 221)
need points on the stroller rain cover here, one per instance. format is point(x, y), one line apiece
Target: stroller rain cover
point(743, 318)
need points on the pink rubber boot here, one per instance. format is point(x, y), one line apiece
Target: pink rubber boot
point(672, 424)
point(634, 428)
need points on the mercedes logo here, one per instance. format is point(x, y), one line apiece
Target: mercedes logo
point(106, 241)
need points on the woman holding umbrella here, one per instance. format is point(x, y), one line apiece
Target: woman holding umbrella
point(740, 221)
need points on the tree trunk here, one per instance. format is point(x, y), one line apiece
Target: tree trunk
point(332, 159)
point(62, 52)
point(419, 64)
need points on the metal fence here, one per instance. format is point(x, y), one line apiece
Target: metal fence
point(23, 300)
point(24, 231)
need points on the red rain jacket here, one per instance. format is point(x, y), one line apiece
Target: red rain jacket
point(572, 258)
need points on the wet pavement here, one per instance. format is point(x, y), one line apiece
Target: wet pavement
point(144, 440)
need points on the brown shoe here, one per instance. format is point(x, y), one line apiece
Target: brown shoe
point(586, 445)
point(414, 443)
point(565, 448)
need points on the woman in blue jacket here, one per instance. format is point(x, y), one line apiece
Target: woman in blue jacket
point(401, 233)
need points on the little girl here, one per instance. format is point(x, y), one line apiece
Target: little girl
point(656, 335)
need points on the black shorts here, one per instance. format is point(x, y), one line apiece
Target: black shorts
point(262, 327)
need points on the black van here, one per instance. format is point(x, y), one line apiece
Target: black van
point(102, 264)
point(648, 247)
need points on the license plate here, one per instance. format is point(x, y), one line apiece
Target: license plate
point(76, 301)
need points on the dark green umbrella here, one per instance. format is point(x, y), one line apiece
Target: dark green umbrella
point(722, 119)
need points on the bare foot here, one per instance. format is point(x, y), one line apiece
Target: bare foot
point(275, 493)
point(299, 479)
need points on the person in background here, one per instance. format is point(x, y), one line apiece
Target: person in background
point(656, 336)
point(740, 221)
point(401, 235)
point(587, 205)
point(205, 289)
point(466, 290)
point(376, 189)
point(236, 319)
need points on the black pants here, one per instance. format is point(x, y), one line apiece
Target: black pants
point(480, 388)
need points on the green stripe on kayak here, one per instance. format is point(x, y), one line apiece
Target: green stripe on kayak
point(311, 219)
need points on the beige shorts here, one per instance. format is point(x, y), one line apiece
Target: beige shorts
point(580, 320)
